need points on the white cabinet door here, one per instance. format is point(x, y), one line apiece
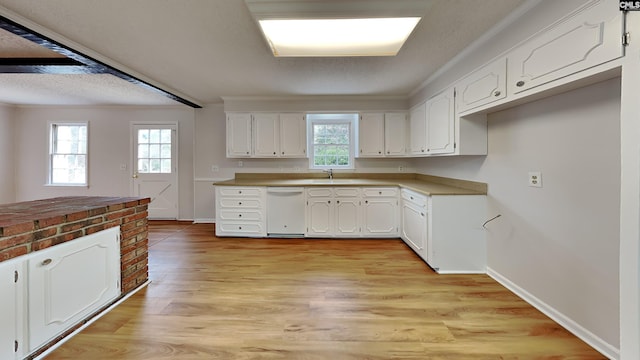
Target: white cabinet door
point(10, 309)
point(266, 134)
point(483, 86)
point(395, 134)
point(70, 281)
point(414, 227)
point(347, 219)
point(239, 135)
point(371, 134)
point(440, 114)
point(293, 135)
point(320, 216)
point(590, 37)
point(380, 217)
point(418, 130)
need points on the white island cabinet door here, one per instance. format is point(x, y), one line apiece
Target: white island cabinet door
point(70, 281)
point(10, 309)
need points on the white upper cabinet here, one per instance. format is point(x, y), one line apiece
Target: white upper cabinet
point(266, 129)
point(483, 86)
point(440, 116)
point(418, 130)
point(589, 37)
point(273, 134)
point(293, 135)
point(395, 134)
point(382, 134)
point(239, 135)
point(371, 134)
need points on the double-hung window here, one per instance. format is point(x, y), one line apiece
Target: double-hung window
point(331, 140)
point(68, 153)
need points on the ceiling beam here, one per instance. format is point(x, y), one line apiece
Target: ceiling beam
point(58, 66)
point(83, 62)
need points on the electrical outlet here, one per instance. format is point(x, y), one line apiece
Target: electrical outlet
point(296, 168)
point(400, 168)
point(123, 167)
point(535, 178)
point(215, 168)
point(240, 164)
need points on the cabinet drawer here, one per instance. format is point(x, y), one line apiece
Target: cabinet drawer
point(240, 191)
point(319, 192)
point(380, 192)
point(240, 215)
point(241, 228)
point(240, 203)
point(346, 192)
point(415, 198)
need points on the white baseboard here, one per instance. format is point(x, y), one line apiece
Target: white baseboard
point(204, 221)
point(587, 336)
point(91, 321)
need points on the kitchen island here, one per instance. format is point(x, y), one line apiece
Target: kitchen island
point(72, 257)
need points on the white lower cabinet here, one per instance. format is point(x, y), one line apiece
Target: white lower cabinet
point(380, 213)
point(446, 230)
point(414, 221)
point(69, 282)
point(240, 211)
point(333, 212)
point(11, 309)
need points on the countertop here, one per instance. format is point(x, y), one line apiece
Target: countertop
point(425, 184)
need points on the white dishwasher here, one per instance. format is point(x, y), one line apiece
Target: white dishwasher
point(285, 211)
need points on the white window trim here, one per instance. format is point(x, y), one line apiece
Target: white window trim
point(48, 182)
point(338, 118)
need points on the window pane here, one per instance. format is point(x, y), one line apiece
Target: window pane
point(143, 165)
point(143, 151)
point(165, 136)
point(165, 151)
point(143, 136)
point(154, 165)
point(166, 166)
point(154, 136)
point(154, 151)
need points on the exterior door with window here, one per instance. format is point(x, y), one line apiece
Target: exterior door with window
point(155, 168)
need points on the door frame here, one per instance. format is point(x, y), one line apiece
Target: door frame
point(133, 162)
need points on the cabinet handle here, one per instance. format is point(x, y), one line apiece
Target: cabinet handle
point(520, 83)
point(337, 201)
point(379, 152)
point(497, 93)
point(240, 203)
point(379, 192)
point(283, 153)
point(366, 201)
point(239, 215)
point(239, 227)
point(46, 262)
point(329, 201)
point(388, 152)
point(274, 153)
point(239, 191)
point(360, 151)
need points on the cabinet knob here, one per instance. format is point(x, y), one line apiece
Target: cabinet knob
point(388, 152)
point(239, 202)
point(379, 152)
point(283, 153)
point(46, 262)
point(337, 201)
point(239, 215)
point(239, 191)
point(422, 150)
point(520, 83)
point(422, 214)
point(329, 202)
point(247, 153)
point(497, 93)
point(366, 201)
point(379, 192)
point(239, 227)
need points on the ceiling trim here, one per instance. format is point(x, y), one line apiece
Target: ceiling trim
point(96, 66)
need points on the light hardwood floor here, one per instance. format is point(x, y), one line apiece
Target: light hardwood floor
point(234, 298)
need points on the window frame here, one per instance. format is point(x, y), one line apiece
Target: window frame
point(50, 153)
point(331, 118)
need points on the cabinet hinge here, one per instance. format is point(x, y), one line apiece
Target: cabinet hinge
point(15, 346)
point(626, 38)
point(15, 276)
point(455, 145)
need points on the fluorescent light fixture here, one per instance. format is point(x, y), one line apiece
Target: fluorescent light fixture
point(337, 37)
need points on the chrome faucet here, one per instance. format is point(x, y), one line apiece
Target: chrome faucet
point(330, 172)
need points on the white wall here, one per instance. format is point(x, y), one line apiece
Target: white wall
point(109, 147)
point(7, 163)
point(559, 242)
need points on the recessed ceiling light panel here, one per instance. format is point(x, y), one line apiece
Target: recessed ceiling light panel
point(337, 37)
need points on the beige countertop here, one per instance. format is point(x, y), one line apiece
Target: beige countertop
point(425, 184)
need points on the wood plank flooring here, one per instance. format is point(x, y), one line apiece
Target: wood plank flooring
point(233, 298)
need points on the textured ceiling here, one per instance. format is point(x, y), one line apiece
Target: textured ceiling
point(207, 49)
